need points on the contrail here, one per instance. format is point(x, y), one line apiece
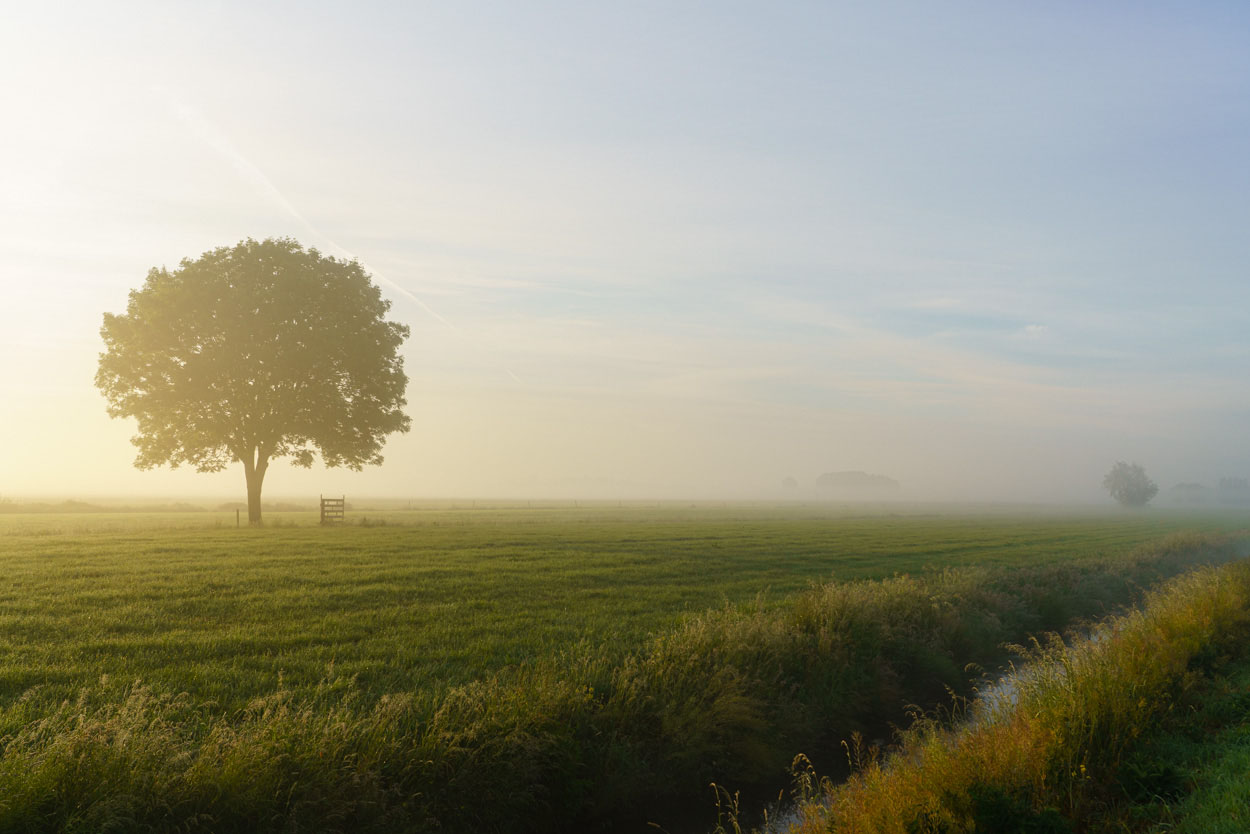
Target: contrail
point(208, 133)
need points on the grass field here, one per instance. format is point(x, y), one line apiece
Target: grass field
point(505, 669)
point(429, 599)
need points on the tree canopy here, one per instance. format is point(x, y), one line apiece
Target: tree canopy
point(254, 352)
point(1129, 484)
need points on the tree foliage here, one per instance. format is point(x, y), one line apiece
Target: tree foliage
point(1129, 484)
point(255, 352)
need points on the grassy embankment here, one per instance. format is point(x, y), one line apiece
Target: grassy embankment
point(1189, 773)
point(579, 733)
point(1195, 777)
point(1099, 738)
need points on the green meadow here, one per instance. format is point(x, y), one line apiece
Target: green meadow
point(427, 599)
point(547, 668)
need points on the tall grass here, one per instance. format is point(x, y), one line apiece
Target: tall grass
point(569, 739)
point(1036, 763)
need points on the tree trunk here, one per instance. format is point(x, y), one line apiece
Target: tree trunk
point(254, 472)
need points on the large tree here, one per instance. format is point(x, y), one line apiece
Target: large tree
point(254, 352)
point(1129, 484)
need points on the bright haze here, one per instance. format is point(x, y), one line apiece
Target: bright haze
point(663, 249)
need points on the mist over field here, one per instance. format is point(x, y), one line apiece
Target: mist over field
point(651, 251)
point(520, 417)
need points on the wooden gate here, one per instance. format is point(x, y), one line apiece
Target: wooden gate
point(332, 509)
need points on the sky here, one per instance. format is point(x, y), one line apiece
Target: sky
point(669, 249)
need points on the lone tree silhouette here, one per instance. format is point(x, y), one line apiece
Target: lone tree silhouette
point(255, 352)
point(1129, 484)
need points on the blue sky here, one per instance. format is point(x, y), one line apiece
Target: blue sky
point(666, 248)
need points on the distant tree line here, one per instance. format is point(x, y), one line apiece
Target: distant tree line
point(846, 482)
point(71, 506)
point(1129, 484)
point(8, 505)
point(1228, 492)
